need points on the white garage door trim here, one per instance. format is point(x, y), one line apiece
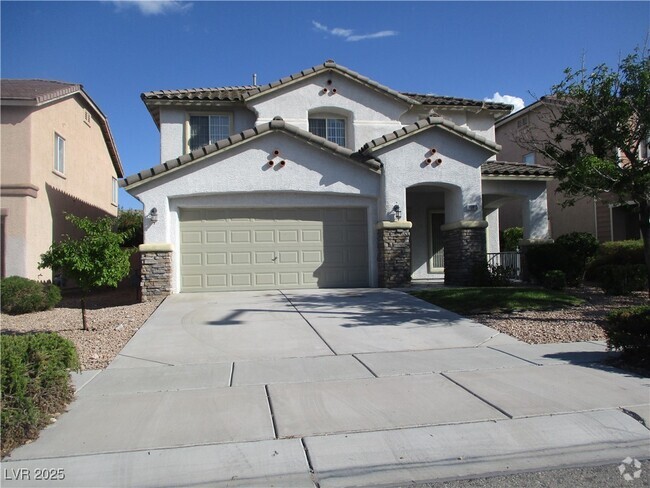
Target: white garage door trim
point(257, 248)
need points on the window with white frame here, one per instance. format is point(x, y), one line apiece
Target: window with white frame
point(332, 129)
point(114, 191)
point(529, 158)
point(59, 153)
point(208, 129)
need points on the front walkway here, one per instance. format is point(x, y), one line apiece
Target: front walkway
point(334, 388)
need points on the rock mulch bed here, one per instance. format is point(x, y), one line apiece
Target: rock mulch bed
point(581, 323)
point(113, 318)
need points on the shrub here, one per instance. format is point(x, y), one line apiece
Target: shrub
point(623, 279)
point(615, 253)
point(629, 329)
point(484, 274)
point(35, 383)
point(580, 247)
point(130, 222)
point(21, 295)
point(510, 238)
point(542, 258)
point(555, 280)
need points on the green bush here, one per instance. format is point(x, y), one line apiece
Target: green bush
point(510, 239)
point(623, 279)
point(484, 274)
point(35, 383)
point(555, 280)
point(130, 222)
point(21, 295)
point(580, 247)
point(615, 253)
point(542, 258)
point(629, 329)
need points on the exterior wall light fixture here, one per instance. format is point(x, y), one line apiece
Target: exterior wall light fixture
point(398, 212)
point(153, 215)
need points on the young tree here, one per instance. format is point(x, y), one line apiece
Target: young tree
point(598, 135)
point(96, 259)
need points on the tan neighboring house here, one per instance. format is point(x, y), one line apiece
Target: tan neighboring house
point(604, 218)
point(57, 156)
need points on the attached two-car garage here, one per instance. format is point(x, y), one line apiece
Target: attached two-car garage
point(253, 249)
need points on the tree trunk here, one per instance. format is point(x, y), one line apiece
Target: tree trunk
point(83, 312)
point(644, 221)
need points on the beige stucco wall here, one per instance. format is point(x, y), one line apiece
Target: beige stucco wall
point(85, 188)
point(578, 218)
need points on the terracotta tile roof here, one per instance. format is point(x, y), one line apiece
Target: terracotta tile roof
point(424, 124)
point(35, 92)
point(438, 100)
point(245, 92)
point(39, 91)
point(504, 168)
point(277, 124)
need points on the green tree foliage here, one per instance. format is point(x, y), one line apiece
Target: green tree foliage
point(130, 220)
point(599, 135)
point(96, 259)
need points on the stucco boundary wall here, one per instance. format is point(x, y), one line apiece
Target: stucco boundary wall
point(156, 272)
point(465, 247)
point(394, 253)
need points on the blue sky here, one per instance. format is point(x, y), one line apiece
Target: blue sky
point(118, 50)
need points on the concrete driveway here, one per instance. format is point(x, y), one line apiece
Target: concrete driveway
point(334, 388)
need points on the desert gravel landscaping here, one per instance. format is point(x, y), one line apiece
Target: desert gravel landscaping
point(114, 317)
point(572, 324)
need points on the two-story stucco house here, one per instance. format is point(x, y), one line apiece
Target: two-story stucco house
point(324, 178)
point(58, 155)
point(605, 218)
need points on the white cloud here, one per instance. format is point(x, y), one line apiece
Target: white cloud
point(154, 7)
point(376, 35)
point(348, 34)
point(517, 102)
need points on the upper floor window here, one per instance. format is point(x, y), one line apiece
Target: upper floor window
point(329, 128)
point(208, 129)
point(114, 191)
point(522, 122)
point(59, 153)
point(529, 158)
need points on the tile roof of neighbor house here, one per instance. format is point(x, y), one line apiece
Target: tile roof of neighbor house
point(508, 169)
point(245, 92)
point(424, 124)
point(277, 124)
point(37, 92)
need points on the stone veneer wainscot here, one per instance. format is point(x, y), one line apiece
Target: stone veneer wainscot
point(394, 253)
point(156, 273)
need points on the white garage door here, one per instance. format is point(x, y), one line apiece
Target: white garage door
point(255, 249)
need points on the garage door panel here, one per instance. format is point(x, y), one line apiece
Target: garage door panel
point(270, 248)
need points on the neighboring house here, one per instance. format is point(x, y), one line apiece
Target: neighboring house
point(324, 178)
point(604, 218)
point(58, 155)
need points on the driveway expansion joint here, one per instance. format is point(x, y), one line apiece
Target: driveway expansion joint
point(308, 323)
point(478, 396)
point(268, 401)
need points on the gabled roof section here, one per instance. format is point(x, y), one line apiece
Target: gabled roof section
point(424, 124)
point(39, 92)
point(509, 170)
point(328, 65)
point(277, 124)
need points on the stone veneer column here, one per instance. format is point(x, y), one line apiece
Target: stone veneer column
point(465, 246)
point(394, 253)
point(156, 272)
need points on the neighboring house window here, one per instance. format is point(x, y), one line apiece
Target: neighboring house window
point(59, 153)
point(208, 129)
point(331, 129)
point(114, 192)
point(522, 122)
point(529, 158)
